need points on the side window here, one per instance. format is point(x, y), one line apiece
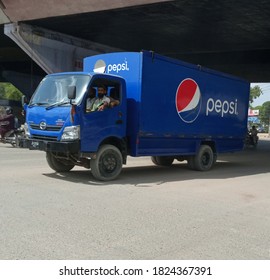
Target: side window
point(114, 96)
point(91, 96)
point(102, 94)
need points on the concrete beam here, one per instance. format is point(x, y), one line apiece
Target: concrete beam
point(3, 17)
point(53, 51)
point(18, 10)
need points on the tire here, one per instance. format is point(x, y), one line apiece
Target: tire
point(57, 164)
point(190, 162)
point(181, 158)
point(162, 160)
point(204, 160)
point(215, 158)
point(154, 160)
point(108, 163)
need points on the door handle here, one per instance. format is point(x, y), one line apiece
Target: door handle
point(119, 122)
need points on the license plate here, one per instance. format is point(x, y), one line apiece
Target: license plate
point(34, 144)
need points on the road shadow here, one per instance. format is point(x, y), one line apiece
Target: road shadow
point(250, 161)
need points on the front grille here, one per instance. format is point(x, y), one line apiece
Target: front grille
point(48, 128)
point(43, 137)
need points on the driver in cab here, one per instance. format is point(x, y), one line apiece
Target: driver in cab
point(102, 101)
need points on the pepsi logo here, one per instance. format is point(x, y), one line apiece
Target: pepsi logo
point(100, 66)
point(188, 100)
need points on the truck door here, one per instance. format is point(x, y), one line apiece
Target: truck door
point(97, 126)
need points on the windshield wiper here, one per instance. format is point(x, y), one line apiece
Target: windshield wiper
point(37, 104)
point(57, 104)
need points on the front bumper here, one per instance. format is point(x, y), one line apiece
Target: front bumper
point(49, 146)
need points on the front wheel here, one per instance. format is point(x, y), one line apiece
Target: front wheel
point(57, 164)
point(108, 163)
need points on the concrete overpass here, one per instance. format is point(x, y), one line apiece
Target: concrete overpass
point(41, 37)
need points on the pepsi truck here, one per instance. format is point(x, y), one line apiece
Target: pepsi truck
point(168, 109)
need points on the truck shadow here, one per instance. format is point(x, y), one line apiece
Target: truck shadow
point(250, 161)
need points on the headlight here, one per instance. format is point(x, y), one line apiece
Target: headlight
point(71, 133)
point(26, 130)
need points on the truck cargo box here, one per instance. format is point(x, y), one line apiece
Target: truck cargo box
point(173, 104)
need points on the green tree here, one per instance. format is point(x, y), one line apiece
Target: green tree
point(8, 91)
point(2, 91)
point(265, 113)
point(255, 92)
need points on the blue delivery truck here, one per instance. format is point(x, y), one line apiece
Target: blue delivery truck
point(167, 109)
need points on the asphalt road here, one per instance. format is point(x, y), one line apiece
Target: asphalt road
point(148, 213)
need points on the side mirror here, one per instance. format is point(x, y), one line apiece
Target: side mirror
point(71, 92)
point(24, 100)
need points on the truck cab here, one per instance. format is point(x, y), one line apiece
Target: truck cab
point(64, 128)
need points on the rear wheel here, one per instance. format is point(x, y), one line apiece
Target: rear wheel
point(154, 160)
point(162, 160)
point(59, 165)
point(205, 158)
point(108, 163)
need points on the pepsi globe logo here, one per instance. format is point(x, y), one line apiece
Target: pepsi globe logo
point(188, 100)
point(100, 66)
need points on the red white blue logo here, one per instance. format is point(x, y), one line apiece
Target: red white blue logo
point(188, 100)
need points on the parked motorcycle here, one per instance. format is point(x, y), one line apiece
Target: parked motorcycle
point(10, 130)
point(251, 140)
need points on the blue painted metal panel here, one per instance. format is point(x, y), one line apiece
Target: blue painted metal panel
point(58, 117)
point(183, 102)
point(128, 65)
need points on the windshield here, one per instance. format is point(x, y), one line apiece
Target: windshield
point(54, 89)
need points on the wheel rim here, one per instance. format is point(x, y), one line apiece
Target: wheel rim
point(205, 159)
point(108, 163)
